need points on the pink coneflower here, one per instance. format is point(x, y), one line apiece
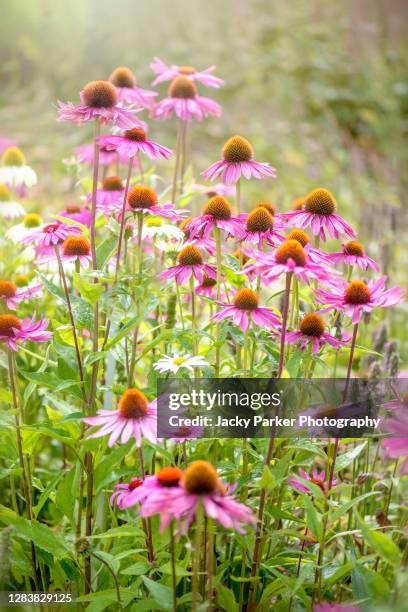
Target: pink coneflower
point(51, 234)
point(315, 255)
point(168, 73)
point(289, 258)
point(184, 101)
point(122, 492)
point(128, 92)
point(312, 333)
point(216, 213)
point(78, 213)
point(319, 212)
point(109, 198)
point(228, 191)
point(76, 248)
point(190, 262)
point(205, 244)
point(99, 100)
point(207, 287)
point(357, 297)
point(245, 307)
point(353, 254)
point(199, 484)
point(13, 330)
point(166, 479)
point(238, 160)
point(86, 152)
point(260, 226)
point(12, 296)
point(132, 141)
point(143, 199)
point(317, 478)
point(397, 447)
point(135, 416)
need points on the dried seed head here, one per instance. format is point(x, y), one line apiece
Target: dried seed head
point(32, 220)
point(133, 404)
point(219, 208)
point(200, 478)
point(237, 149)
point(76, 246)
point(298, 203)
point(246, 299)
point(142, 196)
point(182, 87)
point(9, 322)
point(269, 207)
point(312, 325)
point(259, 220)
point(73, 208)
point(357, 292)
point(291, 249)
point(100, 94)
point(320, 202)
point(21, 280)
point(4, 193)
point(300, 236)
point(354, 248)
point(136, 134)
point(123, 77)
point(7, 289)
point(112, 183)
point(187, 70)
point(169, 476)
point(190, 256)
point(13, 156)
point(208, 281)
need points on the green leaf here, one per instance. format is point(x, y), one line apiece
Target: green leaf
point(267, 481)
point(40, 534)
point(105, 250)
point(137, 569)
point(382, 544)
point(63, 499)
point(347, 458)
point(314, 518)
point(226, 599)
point(346, 507)
point(161, 593)
point(90, 291)
point(124, 531)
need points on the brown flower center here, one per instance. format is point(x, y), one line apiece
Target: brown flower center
point(357, 292)
point(219, 208)
point(123, 77)
point(136, 134)
point(300, 236)
point(100, 94)
point(269, 207)
point(134, 484)
point(190, 256)
point(182, 87)
point(317, 482)
point(112, 183)
point(246, 299)
point(7, 289)
point(7, 324)
point(32, 220)
point(200, 478)
point(291, 249)
point(4, 193)
point(133, 404)
point(298, 203)
point(312, 325)
point(208, 281)
point(73, 208)
point(142, 196)
point(13, 156)
point(259, 220)
point(354, 248)
point(76, 246)
point(169, 476)
point(187, 70)
point(237, 149)
point(320, 202)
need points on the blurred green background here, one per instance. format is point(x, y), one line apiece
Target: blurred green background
point(319, 87)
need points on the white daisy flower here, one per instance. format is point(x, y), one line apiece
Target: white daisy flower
point(9, 209)
point(156, 227)
point(14, 170)
point(173, 364)
point(17, 232)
